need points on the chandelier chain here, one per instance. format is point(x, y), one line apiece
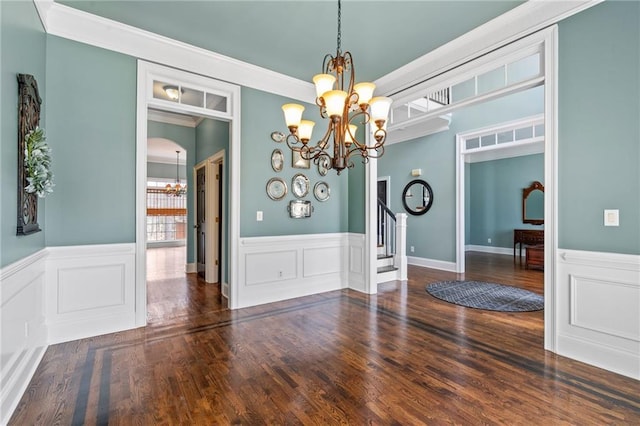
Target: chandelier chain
point(339, 25)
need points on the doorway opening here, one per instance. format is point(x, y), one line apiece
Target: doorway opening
point(166, 207)
point(202, 115)
point(499, 73)
point(184, 255)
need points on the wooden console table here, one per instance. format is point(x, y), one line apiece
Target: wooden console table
point(527, 236)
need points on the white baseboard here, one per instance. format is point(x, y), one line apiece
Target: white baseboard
point(224, 288)
point(490, 249)
point(90, 290)
point(598, 307)
point(431, 263)
point(159, 244)
point(24, 342)
point(191, 268)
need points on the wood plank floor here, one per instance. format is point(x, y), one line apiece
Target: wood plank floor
point(398, 357)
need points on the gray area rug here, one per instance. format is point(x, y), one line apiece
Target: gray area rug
point(489, 296)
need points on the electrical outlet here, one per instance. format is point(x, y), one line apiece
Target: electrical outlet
point(412, 249)
point(489, 240)
point(259, 216)
point(612, 217)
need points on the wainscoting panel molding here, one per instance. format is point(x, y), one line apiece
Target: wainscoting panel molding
point(90, 290)
point(279, 268)
point(598, 304)
point(323, 260)
point(24, 331)
point(356, 276)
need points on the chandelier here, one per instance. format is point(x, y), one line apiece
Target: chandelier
point(343, 105)
point(176, 190)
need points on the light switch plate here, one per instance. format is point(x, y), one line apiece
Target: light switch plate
point(612, 217)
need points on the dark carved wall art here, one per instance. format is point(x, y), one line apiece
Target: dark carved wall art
point(28, 119)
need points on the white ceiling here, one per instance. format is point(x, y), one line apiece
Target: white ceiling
point(161, 150)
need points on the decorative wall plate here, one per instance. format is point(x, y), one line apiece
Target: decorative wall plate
point(277, 136)
point(321, 191)
point(299, 209)
point(276, 189)
point(300, 185)
point(277, 160)
point(323, 166)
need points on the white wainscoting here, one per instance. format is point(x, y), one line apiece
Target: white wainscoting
point(90, 290)
point(598, 309)
point(432, 263)
point(279, 268)
point(24, 330)
point(357, 262)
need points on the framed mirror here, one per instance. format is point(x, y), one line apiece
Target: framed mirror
point(417, 197)
point(533, 204)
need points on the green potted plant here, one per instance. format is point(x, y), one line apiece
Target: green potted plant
point(37, 163)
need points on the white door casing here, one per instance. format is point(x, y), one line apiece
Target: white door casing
point(147, 73)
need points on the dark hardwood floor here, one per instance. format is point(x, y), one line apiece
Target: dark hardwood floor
point(398, 357)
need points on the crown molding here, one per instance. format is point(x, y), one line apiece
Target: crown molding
point(73, 24)
point(171, 118)
point(520, 21)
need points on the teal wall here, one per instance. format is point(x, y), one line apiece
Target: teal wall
point(495, 198)
point(357, 208)
point(186, 138)
point(599, 135)
point(433, 234)
point(261, 115)
point(211, 137)
point(22, 50)
point(92, 119)
point(165, 171)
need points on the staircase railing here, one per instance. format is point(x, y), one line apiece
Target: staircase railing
point(386, 229)
point(441, 96)
point(392, 238)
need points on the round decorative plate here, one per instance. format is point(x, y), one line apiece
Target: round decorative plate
point(300, 185)
point(277, 136)
point(321, 191)
point(277, 160)
point(276, 189)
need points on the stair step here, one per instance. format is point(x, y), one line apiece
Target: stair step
point(389, 268)
point(384, 256)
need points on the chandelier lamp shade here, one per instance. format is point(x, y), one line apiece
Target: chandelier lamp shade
point(345, 104)
point(176, 190)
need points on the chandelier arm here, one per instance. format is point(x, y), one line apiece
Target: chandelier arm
point(296, 145)
point(348, 65)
